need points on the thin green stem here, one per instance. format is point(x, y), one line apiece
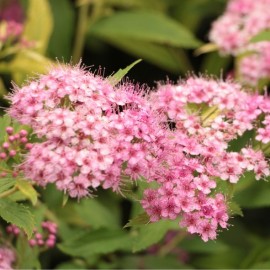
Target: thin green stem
point(80, 33)
point(8, 192)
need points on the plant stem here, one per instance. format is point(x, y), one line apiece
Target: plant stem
point(8, 192)
point(80, 33)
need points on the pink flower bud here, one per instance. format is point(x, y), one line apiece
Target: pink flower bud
point(11, 138)
point(29, 146)
point(12, 153)
point(23, 133)
point(3, 155)
point(5, 145)
point(23, 140)
point(32, 242)
point(16, 136)
point(9, 130)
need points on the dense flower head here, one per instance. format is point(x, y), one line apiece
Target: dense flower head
point(232, 32)
point(97, 132)
point(94, 134)
point(206, 115)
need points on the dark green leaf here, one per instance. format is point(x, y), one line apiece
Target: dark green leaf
point(17, 214)
point(152, 233)
point(162, 56)
point(196, 245)
point(97, 242)
point(61, 38)
point(144, 26)
point(96, 214)
point(256, 195)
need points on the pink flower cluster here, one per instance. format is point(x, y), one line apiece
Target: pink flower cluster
point(207, 115)
point(7, 258)
point(94, 134)
point(11, 17)
point(47, 238)
point(232, 32)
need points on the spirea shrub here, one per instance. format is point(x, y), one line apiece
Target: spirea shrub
point(93, 134)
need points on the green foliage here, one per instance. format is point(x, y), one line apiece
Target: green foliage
point(152, 233)
point(99, 241)
point(145, 26)
point(17, 214)
point(262, 36)
point(118, 76)
point(27, 189)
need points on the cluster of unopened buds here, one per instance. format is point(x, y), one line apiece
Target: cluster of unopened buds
point(177, 136)
point(46, 238)
point(14, 145)
point(233, 31)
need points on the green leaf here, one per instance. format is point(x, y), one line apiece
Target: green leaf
point(255, 195)
point(152, 233)
point(151, 262)
point(118, 76)
point(61, 38)
point(39, 24)
point(27, 189)
point(159, 55)
point(214, 64)
point(262, 36)
point(27, 257)
point(6, 183)
point(141, 219)
point(97, 242)
point(17, 214)
point(144, 26)
point(235, 209)
point(96, 214)
point(196, 245)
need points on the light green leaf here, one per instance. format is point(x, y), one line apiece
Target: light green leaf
point(39, 24)
point(262, 36)
point(118, 76)
point(145, 26)
point(152, 233)
point(141, 219)
point(17, 214)
point(27, 189)
point(27, 257)
point(6, 183)
point(97, 242)
point(235, 209)
point(96, 214)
